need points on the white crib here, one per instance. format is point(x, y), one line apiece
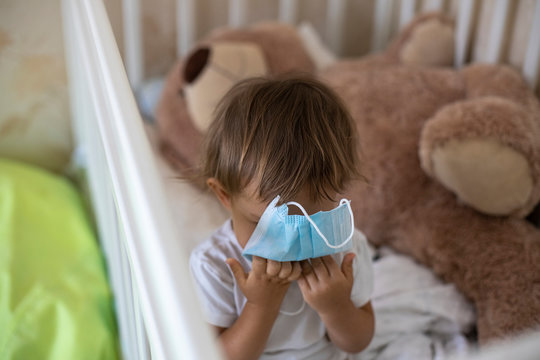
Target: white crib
point(157, 308)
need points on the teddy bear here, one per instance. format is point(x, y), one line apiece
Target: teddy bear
point(451, 157)
point(196, 83)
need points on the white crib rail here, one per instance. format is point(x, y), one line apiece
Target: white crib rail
point(133, 45)
point(185, 22)
point(531, 65)
point(463, 31)
point(499, 20)
point(145, 260)
point(288, 11)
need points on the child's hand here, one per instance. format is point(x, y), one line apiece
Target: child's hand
point(267, 282)
point(324, 285)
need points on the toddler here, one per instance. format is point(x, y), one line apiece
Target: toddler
point(277, 155)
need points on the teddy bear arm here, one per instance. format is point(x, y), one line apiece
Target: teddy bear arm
point(482, 80)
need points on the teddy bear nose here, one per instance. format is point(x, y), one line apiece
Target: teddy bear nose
point(195, 64)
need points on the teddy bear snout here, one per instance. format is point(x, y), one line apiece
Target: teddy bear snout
point(195, 64)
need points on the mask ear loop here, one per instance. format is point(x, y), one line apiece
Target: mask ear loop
point(343, 201)
point(292, 313)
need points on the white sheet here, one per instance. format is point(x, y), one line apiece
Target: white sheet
point(417, 315)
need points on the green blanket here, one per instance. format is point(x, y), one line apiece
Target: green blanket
point(55, 302)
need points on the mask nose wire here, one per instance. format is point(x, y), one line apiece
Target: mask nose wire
point(343, 201)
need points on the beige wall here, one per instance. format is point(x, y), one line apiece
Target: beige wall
point(34, 112)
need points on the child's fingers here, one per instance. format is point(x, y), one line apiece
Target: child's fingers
point(273, 267)
point(330, 264)
point(308, 274)
point(307, 270)
point(296, 271)
point(347, 266)
point(306, 267)
point(258, 265)
point(319, 268)
point(237, 270)
point(303, 284)
point(285, 271)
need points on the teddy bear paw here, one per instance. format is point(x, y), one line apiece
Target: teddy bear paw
point(485, 174)
point(483, 150)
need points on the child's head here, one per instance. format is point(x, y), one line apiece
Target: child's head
point(290, 136)
point(283, 134)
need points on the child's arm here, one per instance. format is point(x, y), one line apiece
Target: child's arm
point(327, 289)
point(264, 287)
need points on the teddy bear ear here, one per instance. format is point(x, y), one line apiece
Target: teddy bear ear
point(427, 41)
point(210, 71)
point(195, 64)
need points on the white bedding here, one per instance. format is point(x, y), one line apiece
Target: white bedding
point(196, 213)
point(417, 315)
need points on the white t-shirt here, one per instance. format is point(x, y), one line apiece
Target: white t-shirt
point(299, 336)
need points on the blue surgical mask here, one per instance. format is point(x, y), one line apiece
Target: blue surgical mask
point(283, 237)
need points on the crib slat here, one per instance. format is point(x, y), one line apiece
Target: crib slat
point(335, 23)
point(382, 24)
point(288, 11)
point(132, 308)
point(133, 49)
point(142, 344)
point(532, 57)
point(498, 25)
point(185, 26)
point(432, 5)
point(406, 12)
point(238, 13)
point(463, 31)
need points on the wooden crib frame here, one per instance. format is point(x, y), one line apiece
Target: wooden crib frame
point(157, 309)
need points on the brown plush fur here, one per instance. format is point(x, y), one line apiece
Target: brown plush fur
point(495, 261)
point(179, 139)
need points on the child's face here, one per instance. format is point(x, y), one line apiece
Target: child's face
point(246, 210)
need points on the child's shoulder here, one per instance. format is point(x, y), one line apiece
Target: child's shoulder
point(361, 244)
point(222, 244)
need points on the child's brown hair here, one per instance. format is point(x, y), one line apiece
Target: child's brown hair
point(284, 133)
